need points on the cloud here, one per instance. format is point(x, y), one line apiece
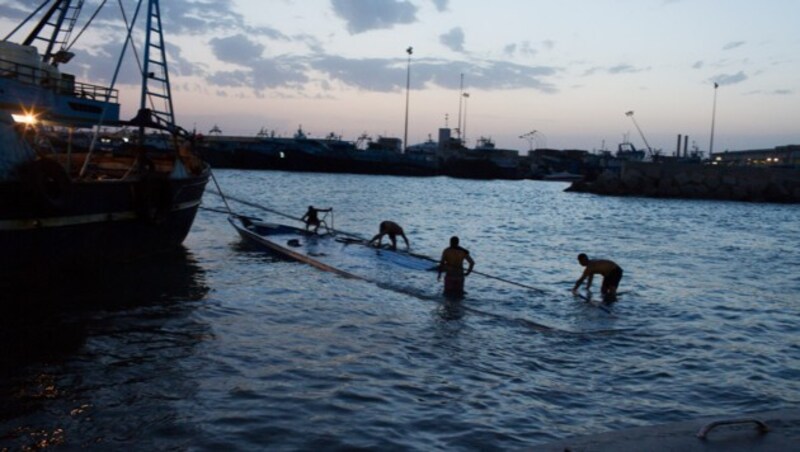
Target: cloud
point(441, 5)
point(14, 12)
point(195, 17)
point(523, 48)
point(238, 49)
point(618, 69)
point(263, 74)
point(624, 69)
point(386, 75)
point(697, 65)
point(365, 15)
point(729, 79)
point(733, 45)
point(371, 74)
point(453, 39)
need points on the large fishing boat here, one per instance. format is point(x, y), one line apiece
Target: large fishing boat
point(65, 202)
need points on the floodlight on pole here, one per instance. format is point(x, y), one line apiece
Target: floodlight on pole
point(409, 51)
point(713, 120)
point(465, 96)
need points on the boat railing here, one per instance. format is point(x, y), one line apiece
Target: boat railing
point(63, 84)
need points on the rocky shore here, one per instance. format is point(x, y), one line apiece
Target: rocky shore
point(697, 181)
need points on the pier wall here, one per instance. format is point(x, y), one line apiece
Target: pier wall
point(686, 180)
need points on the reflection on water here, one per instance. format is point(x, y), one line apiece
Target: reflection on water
point(82, 339)
point(44, 315)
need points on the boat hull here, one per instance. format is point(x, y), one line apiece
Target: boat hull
point(94, 222)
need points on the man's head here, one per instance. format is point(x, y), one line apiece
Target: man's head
point(454, 241)
point(583, 259)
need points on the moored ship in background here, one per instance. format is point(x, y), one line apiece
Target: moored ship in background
point(68, 203)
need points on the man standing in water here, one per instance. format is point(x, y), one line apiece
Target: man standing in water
point(612, 274)
point(452, 263)
point(311, 218)
point(391, 229)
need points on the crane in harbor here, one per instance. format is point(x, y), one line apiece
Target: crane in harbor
point(649, 149)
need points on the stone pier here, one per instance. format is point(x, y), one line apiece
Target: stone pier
point(697, 181)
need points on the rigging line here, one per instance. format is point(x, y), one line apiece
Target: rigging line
point(86, 26)
point(224, 199)
point(30, 16)
point(252, 204)
point(133, 45)
point(128, 39)
point(486, 275)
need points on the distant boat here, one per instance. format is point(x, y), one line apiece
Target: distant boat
point(68, 203)
point(627, 151)
point(330, 154)
point(563, 176)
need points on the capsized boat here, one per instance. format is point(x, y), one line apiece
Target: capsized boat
point(65, 204)
point(340, 253)
point(350, 256)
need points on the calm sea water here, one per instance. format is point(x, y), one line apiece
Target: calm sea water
point(222, 347)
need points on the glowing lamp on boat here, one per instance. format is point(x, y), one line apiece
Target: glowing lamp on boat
point(24, 118)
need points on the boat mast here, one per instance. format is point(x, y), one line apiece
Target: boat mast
point(157, 92)
point(62, 11)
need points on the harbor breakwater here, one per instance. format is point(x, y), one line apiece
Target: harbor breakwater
point(697, 181)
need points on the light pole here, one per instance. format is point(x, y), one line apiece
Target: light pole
point(713, 120)
point(465, 96)
point(460, 100)
point(409, 51)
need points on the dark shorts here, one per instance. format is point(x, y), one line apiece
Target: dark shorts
point(612, 280)
point(454, 285)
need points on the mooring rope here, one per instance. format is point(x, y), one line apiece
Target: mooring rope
point(270, 210)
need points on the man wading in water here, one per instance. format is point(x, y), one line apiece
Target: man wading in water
point(452, 264)
point(612, 274)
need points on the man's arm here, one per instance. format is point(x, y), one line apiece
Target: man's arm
point(589, 281)
point(580, 280)
point(441, 266)
point(403, 235)
point(471, 264)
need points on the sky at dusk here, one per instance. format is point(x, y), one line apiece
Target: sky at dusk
point(568, 69)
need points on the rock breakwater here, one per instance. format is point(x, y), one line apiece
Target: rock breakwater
point(697, 181)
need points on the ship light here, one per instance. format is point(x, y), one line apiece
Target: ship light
point(25, 118)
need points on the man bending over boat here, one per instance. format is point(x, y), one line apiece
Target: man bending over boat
point(311, 218)
point(612, 274)
point(391, 229)
point(452, 263)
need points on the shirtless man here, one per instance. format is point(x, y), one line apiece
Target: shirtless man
point(311, 218)
point(391, 229)
point(452, 263)
point(612, 274)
